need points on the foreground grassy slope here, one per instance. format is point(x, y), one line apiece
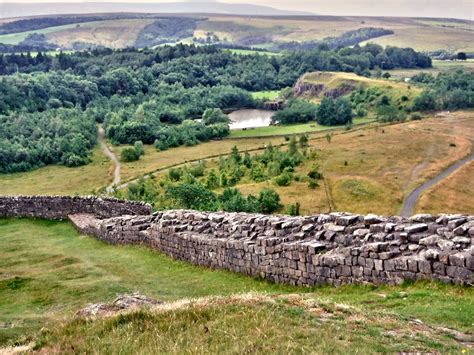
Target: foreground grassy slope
point(48, 271)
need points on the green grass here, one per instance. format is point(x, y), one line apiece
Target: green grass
point(252, 325)
point(267, 95)
point(16, 38)
point(48, 271)
point(289, 129)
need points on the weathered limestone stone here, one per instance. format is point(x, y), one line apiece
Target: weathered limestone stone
point(334, 248)
point(416, 228)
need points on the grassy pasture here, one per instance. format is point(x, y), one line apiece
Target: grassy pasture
point(267, 95)
point(383, 165)
point(289, 129)
point(372, 169)
point(48, 272)
point(420, 34)
point(439, 66)
point(445, 195)
point(60, 180)
point(15, 38)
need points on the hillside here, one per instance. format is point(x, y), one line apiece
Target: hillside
point(267, 31)
point(315, 86)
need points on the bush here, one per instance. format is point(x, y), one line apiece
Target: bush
point(213, 116)
point(313, 184)
point(416, 116)
point(333, 112)
point(139, 149)
point(232, 200)
point(314, 173)
point(192, 196)
point(269, 201)
point(297, 111)
point(284, 179)
point(425, 102)
point(129, 154)
point(293, 209)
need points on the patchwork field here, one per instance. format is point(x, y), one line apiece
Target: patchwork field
point(420, 34)
point(48, 272)
point(439, 66)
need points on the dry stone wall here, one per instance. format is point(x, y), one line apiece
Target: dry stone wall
point(60, 207)
point(336, 248)
point(331, 248)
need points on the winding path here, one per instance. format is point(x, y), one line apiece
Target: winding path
point(410, 201)
point(111, 156)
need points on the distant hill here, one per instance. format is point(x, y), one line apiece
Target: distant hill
point(29, 9)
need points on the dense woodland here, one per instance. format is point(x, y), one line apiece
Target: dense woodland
point(153, 95)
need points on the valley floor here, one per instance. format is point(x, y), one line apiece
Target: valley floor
point(370, 169)
point(48, 272)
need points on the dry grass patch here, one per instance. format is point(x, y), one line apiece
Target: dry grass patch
point(453, 195)
point(112, 33)
point(60, 180)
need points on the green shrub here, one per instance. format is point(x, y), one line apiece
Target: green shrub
point(269, 201)
point(293, 209)
point(284, 179)
point(129, 154)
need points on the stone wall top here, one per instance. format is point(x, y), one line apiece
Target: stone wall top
point(60, 207)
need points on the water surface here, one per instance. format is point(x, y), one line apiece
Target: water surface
point(250, 119)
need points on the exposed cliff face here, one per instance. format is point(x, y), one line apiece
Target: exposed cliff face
point(307, 89)
point(303, 88)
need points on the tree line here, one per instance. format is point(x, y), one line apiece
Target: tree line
point(150, 95)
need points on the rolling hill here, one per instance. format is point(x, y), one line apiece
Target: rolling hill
point(269, 31)
point(32, 9)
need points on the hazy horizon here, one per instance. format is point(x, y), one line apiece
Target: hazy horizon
point(463, 9)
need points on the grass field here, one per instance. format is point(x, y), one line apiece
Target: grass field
point(60, 180)
point(372, 169)
point(48, 272)
point(368, 170)
point(289, 129)
point(444, 196)
point(16, 38)
point(420, 34)
point(267, 95)
point(439, 66)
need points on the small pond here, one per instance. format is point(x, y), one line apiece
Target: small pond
point(250, 119)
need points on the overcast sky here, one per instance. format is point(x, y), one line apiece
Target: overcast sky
point(424, 8)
